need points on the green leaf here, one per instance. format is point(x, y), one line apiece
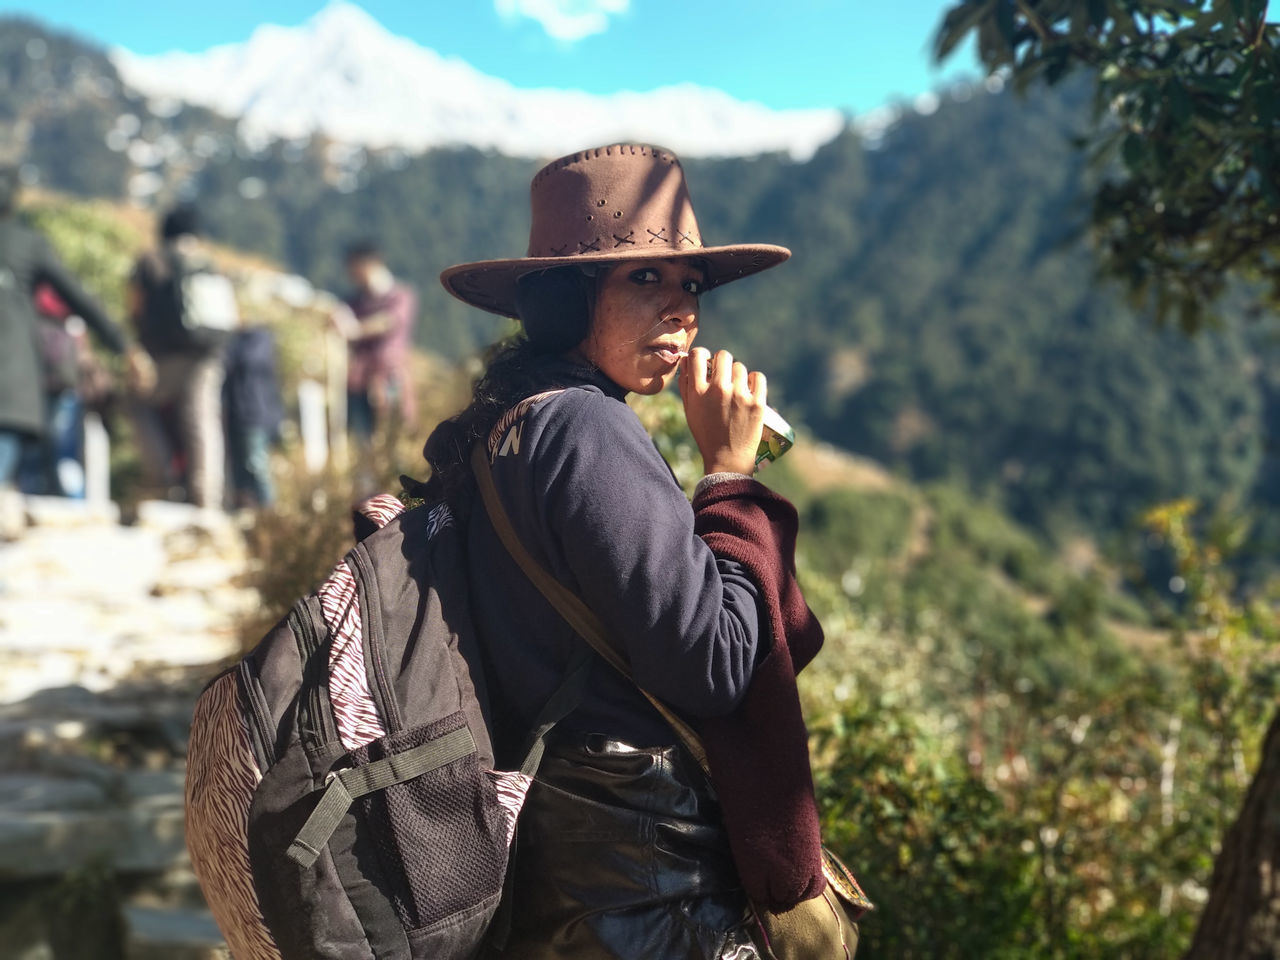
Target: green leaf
point(1059, 64)
point(1080, 22)
point(957, 23)
point(1134, 152)
point(1179, 102)
point(1005, 22)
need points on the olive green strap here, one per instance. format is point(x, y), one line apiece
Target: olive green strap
point(346, 785)
point(559, 705)
point(570, 606)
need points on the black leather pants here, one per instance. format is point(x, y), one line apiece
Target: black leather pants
point(621, 854)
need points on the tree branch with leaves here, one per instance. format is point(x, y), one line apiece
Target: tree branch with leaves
point(1186, 133)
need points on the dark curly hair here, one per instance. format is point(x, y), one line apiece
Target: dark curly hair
point(555, 309)
point(182, 220)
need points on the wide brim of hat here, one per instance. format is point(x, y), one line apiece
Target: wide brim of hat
point(491, 284)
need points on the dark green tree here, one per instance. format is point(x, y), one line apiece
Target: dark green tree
point(1187, 97)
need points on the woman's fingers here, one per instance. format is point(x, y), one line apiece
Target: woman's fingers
point(701, 369)
point(697, 364)
point(724, 406)
point(722, 370)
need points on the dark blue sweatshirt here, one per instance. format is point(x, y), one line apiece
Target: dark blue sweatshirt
point(594, 502)
point(251, 390)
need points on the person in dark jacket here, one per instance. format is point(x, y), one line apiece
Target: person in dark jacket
point(624, 850)
point(26, 262)
point(253, 412)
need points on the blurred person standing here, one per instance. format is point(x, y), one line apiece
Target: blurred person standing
point(185, 312)
point(253, 412)
point(26, 262)
point(377, 321)
point(56, 465)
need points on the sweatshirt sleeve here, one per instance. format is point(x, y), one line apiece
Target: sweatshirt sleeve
point(688, 622)
point(50, 270)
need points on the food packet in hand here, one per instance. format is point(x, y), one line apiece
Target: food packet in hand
point(778, 437)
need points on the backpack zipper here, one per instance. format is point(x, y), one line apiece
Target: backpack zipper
point(259, 722)
point(370, 613)
point(315, 675)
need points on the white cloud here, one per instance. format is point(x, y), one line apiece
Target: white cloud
point(567, 20)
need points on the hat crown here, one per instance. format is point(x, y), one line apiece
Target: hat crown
point(623, 198)
point(626, 201)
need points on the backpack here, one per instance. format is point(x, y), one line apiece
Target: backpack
point(376, 824)
point(190, 305)
point(208, 299)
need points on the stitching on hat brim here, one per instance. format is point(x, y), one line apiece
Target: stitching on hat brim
point(725, 264)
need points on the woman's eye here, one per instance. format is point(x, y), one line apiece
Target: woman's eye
point(645, 275)
point(693, 286)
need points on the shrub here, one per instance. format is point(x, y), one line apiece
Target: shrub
point(935, 848)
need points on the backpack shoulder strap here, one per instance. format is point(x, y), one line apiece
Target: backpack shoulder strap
point(569, 605)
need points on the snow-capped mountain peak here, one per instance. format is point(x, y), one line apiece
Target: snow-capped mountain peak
point(345, 75)
point(341, 19)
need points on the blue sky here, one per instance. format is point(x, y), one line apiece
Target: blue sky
point(853, 54)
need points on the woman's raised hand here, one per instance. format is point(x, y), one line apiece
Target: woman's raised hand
point(724, 405)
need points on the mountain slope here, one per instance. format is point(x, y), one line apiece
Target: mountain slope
point(74, 125)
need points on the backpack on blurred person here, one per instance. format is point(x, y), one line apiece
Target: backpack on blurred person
point(189, 306)
point(206, 299)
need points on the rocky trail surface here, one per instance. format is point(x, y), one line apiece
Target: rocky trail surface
point(107, 635)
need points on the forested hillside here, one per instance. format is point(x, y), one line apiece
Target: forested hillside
point(941, 313)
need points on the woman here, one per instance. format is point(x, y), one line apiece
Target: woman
point(623, 848)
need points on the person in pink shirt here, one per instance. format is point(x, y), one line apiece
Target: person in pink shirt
point(376, 320)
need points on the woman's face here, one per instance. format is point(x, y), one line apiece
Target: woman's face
point(646, 317)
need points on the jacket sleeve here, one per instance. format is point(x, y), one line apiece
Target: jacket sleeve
point(49, 269)
point(688, 622)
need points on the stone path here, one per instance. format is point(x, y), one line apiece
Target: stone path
point(107, 634)
point(87, 602)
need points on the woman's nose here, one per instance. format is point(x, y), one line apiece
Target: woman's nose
point(682, 309)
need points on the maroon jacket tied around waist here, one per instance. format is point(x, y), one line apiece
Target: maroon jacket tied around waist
point(759, 754)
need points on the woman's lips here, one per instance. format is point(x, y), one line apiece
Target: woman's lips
point(670, 355)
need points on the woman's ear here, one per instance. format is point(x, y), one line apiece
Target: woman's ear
point(555, 307)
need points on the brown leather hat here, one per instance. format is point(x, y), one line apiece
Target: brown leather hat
point(621, 202)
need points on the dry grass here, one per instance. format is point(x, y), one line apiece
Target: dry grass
point(824, 467)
